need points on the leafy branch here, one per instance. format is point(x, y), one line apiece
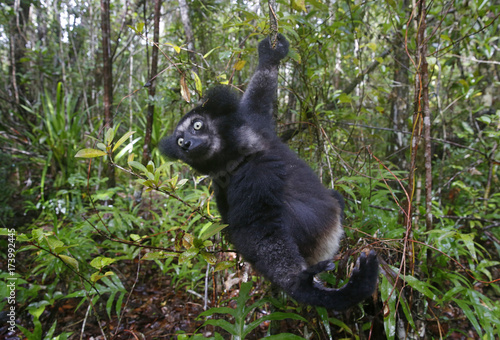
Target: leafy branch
point(150, 177)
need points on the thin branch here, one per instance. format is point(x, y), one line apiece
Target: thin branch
point(453, 43)
point(273, 22)
point(352, 85)
point(473, 59)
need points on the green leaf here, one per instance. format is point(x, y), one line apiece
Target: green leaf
point(101, 262)
point(5, 232)
point(138, 166)
point(188, 255)
point(292, 53)
point(109, 303)
point(176, 48)
point(157, 177)
point(50, 332)
point(388, 294)
point(54, 243)
point(467, 127)
point(90, 153)
point(485, 119)
point(372, 46)
point(181, 183)
point(135, 237)
point(133, 28)
point(187, 240)
point(37, 312)
point(210, 52)
point(407, 312)
point(445, 37)
point(164, 166)
point(209, 257)
point(343, 326)
point(323, 314)
point(60, 249)
point(39, 234)
point(97, 276)
point(344, 98)
point(101, 146)
point(210, 229)
point(140, 27)
point(469, 314)
point(197, 82)
point(485, 264)
point(238, 66)
point(119, 303)
point(468, 239)
point(392, 3)
point(151, 167)
point(70, 260)
point(224, 265)
point(123, 139)
point(158, 255)
point(228, 327)
point(110, 134)
point(423, 287)
point(218, 310)
point(299, 5)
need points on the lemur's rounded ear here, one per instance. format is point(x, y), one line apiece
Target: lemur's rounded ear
point(220, 101)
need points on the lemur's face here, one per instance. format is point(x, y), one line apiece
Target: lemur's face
point(194, 140)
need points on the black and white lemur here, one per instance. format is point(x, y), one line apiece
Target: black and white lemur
point(280, 217)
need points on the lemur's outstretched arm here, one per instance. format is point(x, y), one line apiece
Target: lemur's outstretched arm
point(261, 92)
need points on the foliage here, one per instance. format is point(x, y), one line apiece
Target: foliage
point(240, 328)
point(345, 104)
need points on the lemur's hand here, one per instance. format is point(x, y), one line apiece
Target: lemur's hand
point(272, 56)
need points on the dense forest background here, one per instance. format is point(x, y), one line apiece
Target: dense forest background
point(396, 104)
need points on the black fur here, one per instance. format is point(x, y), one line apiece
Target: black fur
point(281, 218)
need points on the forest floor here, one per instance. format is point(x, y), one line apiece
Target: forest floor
point(156, 309)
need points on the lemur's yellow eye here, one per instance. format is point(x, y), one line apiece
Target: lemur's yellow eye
point(197, 125)
point(180, 141)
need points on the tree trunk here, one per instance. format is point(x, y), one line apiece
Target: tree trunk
point(423, 90)
point(399, 100)
point(18, 25)
point(421, 117)
point(146, 153)
point(107, 70)
point(188, 30)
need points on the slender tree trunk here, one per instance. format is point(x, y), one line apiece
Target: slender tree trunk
point(421, 117)
point(107, 70)
point(146, 153)
point(188, 30)
point(18, 40)
point(426, 112)
point(399, 100)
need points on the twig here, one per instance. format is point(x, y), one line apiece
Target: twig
point(129, 295)
point(273, 22)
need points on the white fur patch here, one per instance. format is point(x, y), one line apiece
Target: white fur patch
point(184, 125)
point(329, 244)
point(251, 139)
point(215, 145)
